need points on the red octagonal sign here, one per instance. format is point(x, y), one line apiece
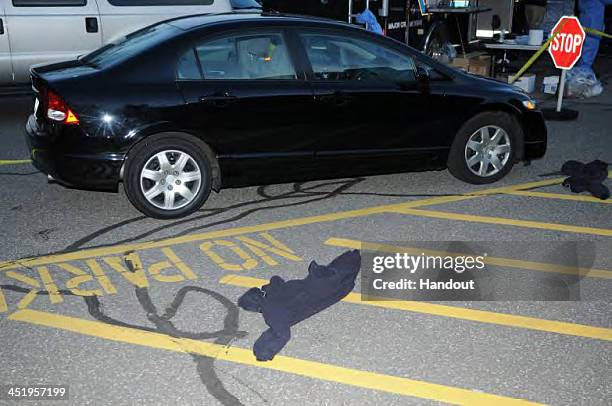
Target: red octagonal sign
point(566, 46)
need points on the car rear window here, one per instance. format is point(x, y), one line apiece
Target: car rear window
point(259, 55)
point(129, 46)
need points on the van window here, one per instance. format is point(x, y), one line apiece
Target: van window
point(130, 45)
point(49, 3)
point(241, 57)
point(161, 2)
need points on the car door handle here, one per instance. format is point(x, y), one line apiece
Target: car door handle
point(1, 26)
point(91, 24)
point(218, 99)
point(339, 99)
point(343, 99)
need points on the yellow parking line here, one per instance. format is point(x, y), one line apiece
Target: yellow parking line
point(560, 196)
point(14, 161)
point(506, 221)
point(310, 369)
point(230, 232)
point(520, 186)
point(300, 221)
point(498, 261)
point(482, 316)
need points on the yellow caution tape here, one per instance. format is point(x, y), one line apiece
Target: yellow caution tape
point(545, 45)
point(596, 32)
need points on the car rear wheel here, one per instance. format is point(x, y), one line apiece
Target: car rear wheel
point(168, 176)
point(485, 147)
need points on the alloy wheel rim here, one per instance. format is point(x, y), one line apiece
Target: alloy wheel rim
point(487, 151)
point(170, 179)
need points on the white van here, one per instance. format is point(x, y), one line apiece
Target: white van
point(41, 31)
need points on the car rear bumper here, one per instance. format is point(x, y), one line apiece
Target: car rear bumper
point(72, 164)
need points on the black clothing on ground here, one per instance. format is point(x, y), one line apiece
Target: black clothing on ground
point(285, 303)
point(587, 177)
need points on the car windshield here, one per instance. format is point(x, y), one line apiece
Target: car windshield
point(245, 4)
point(128, 46)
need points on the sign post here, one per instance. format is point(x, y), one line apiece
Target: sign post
point(560, 90)
point(565, 49)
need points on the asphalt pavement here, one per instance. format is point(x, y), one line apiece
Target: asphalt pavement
point(129, 310)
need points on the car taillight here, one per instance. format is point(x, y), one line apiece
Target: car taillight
point(59, 111)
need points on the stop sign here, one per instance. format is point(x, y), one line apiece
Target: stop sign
point(566, 47)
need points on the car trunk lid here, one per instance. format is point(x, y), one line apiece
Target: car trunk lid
point(50, 77)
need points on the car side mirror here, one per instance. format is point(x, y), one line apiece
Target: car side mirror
point(422, 78)
point(411, 80)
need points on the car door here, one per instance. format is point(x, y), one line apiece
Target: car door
point(6, 68)
point(43, 31)
point(245, 94)
point(370, 100)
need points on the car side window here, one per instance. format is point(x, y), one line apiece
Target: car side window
point(188, 68)
point(258, 56)
point(340, 57)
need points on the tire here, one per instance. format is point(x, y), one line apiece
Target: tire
point(187, 158)
point(462, 154)
point(435, 42)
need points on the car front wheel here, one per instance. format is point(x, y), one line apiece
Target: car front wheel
point(485, 147)
point(168, 176)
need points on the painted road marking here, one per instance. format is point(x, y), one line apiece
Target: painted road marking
point(498, 261)
point(561, 196)
point(506, 221)
point(482, 316)
point(522, 186)
point(310, 369)
point(230, 232)
point(14, 161)
point(94, 277)
point(3, 305)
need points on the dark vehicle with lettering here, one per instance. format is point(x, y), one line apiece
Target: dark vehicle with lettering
point(198, 103)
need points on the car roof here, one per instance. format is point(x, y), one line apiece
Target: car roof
point(198, 21)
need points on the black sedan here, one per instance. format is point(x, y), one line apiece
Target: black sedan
point(194, 104)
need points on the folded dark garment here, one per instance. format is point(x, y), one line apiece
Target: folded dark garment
point(285, 303)
point(587, 177)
